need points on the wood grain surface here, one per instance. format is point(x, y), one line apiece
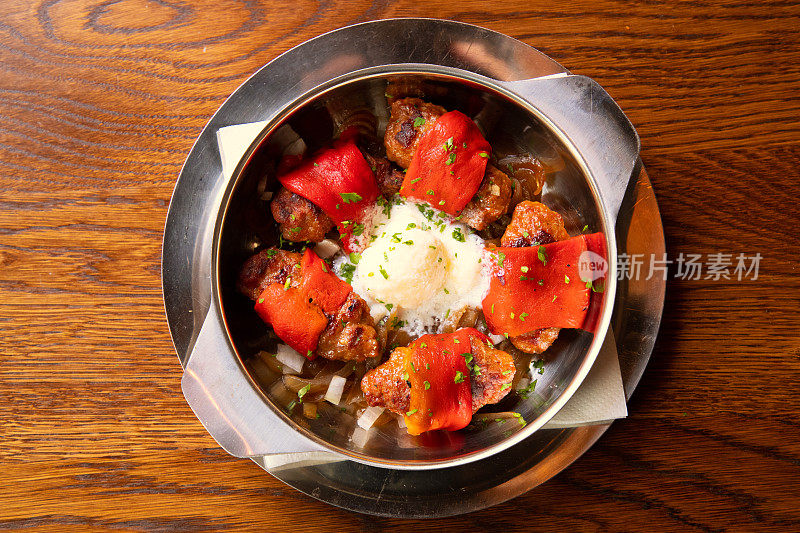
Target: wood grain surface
point(100, 101)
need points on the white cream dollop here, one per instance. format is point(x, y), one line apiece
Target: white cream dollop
point(422, 262)
point(406, 268)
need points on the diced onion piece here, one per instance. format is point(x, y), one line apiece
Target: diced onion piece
point(326, 249)
point(496, 339)
point(360, 437)
point(495, 189)
point(290, 358)
point(369, 416)
point(335, 390)
point(298, 147)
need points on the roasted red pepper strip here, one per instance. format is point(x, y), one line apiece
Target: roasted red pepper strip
point(538, 287)
point(321, 285)
point(296, 321)
point(448, 165)
point(441, 397)
point(298, 314)
point(339, 181)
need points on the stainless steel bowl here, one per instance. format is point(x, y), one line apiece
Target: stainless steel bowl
point(568, 120)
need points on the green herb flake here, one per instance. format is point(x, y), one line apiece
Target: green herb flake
point(526, 234)
point(522, 316)
point(415, 180)
point(426, 384)
point(316, 164)
point(350, 197)
point(448, 144)
point(430, 192)
point(419, 121)
point(483, 154)
point(459, 377)
point(287, 284)
point(459, 235)
point(507, 372)
point(441, 202)
point(355, 257)
point(524, 268)
point(302, 392)
point(451, 159)
point(383, 272)
point(505, 386)
point(445, 290)
point(566, 278)
point(411, 412)
point(585, 227)
point(542, 255)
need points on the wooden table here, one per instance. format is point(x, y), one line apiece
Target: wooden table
point(99, 105)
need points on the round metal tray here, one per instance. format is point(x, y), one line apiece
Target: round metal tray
point(381, 491)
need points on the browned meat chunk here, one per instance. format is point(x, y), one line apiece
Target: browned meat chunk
point(385, 386)
point(493, 372)
point(490, 202)
point(267, 266)
point(389, 179)
point(350, 334)
point(536, 341)
point(494, 195)
point(534, 223)
point(402, 135)
point(299, 219)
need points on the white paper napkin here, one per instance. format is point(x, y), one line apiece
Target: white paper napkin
point(599, 400)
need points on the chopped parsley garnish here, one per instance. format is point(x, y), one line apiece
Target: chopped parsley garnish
point(522, 316)
point(540, 282)
point(451, 159)
point(483, 154)
point(347, 272)
point(526, 234)
point(441, 202)
point(286, 285)
point(505, 386)
point(411, 226)
point(566, 278)
point(430, 192)
point(389, 306)
point(426, 384)
point(524, 268)
point(415, 180)
point(585, 227)
point(459, 235)
point(302, 392)
point(358, 229)
point(542, 255)
point(524, 392)
point(448, 144)
point(355, 257)
point(408, 242)
point(459, 378)
point(261, 300)
point(383, 272)
point(316, 164)
point(411, 412)
point(350, 197)
point(500, 258)
point(507, 372)
point(396, 237)
point(419, 121)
